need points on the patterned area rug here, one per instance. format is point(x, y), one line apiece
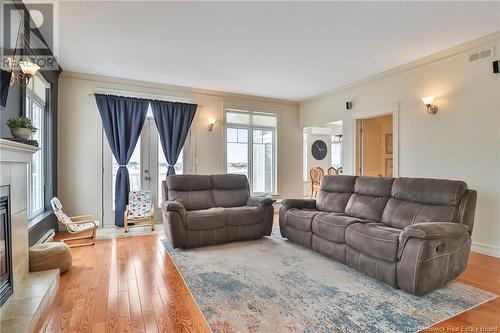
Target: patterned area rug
point(272, 285)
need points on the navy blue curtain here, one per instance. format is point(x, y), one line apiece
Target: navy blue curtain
point(173, 121)
point(122, 120)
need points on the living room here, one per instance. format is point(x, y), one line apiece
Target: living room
point(184, 166)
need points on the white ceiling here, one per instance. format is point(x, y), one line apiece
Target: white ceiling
point(290, 50)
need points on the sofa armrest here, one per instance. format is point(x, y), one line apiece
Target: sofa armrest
point(174, 220)
point(173, 206)
point(433, 230)
point(260, 201)
point(431, 254)
point(299, 203)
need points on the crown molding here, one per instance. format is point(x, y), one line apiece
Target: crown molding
point(161, 88)
point(427, 60)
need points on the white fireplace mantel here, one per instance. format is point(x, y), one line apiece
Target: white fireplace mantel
point(16, 152)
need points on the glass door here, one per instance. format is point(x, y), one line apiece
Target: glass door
point(147, 169)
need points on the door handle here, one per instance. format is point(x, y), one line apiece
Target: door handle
point(147, 178)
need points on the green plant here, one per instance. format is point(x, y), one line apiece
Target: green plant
point(21, 122)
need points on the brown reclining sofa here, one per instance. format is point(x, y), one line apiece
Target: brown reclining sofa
point(411, 233)
point(200, 210)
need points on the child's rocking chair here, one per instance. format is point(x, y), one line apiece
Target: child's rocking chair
point(140, 210)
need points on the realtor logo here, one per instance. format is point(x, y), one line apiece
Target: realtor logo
point(28, 32)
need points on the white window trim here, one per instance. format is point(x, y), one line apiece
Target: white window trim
point(250, 128)
point(30, 94)
point(340, 143)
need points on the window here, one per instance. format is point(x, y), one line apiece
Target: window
point(237, 150)
point(36, 110)
point(304, 157)
point(251, 148)
point(336, 151)
point(163, 168)
point(134, 171)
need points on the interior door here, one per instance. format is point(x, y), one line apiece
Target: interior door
point(370, 149)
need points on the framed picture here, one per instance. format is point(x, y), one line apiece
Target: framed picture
point(388, 143)
point(388, 167)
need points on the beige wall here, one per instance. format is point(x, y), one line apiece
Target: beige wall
point(462, 141)
point(80, 135)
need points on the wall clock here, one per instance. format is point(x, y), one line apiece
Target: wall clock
point(319, 149)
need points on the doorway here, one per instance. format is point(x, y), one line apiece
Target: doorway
point(375, 146)
point(147, 169)
point(328, 138)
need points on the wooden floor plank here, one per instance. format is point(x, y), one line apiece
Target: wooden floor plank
point(132, 285)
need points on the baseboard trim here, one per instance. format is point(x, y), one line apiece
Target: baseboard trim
point(489, 250)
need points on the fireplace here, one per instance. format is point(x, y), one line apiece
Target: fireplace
point(5, 245)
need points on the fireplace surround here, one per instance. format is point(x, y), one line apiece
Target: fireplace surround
point(32, 292)
point(6, 276)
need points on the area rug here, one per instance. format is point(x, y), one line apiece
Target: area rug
point(272, 285)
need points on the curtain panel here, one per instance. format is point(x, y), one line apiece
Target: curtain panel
point(173, 120)
point(122, 120)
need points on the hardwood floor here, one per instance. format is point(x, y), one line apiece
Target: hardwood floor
point(131, 285)
point(123, 285)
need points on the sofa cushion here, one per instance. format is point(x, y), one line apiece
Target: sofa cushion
point(300, 218)
point(399, 213)
point(429, 191)
point(192, 200)
point(206, 219)
point(334, 193)
point(230, 190)
point(417, 200)
point(245, 215)
point(194, 192)
point(189, 182)
point(374, 239)
point(374, 186)
point(331, 226)
point(370, 197)
point(366, 207)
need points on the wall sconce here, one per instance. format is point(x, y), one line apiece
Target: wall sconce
point(211, 123)
point(428, 101)
point(28, 70)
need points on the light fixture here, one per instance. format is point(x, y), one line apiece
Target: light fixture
point(28, 70)
point(428, 101)
point(211, 123)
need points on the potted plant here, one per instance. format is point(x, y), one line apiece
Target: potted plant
point(21, 127)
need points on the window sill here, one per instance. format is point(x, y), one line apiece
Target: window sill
point(32, 222)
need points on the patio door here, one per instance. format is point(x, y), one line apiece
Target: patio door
point(147, 169)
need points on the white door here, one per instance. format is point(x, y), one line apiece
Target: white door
point(147, 169)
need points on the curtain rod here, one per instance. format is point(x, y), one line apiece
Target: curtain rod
point(126, 93)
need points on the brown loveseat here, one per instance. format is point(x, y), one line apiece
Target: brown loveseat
point(204, 210)
point(411, 233)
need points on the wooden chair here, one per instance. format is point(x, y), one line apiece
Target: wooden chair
point(140, 210)
point(75, 224)
point(316, 174)
point(332, 171)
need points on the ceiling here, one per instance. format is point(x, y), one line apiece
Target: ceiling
point(289, 50)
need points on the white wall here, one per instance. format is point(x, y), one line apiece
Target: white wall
point(462, 141)
point(80, 135)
